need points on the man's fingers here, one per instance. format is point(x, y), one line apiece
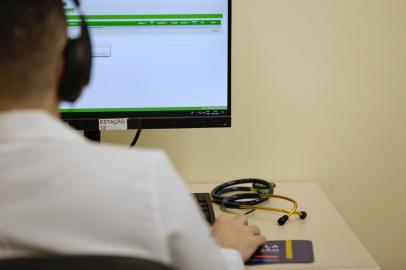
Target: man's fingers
point(243, 219)
point(260, 240)
point(255, 230)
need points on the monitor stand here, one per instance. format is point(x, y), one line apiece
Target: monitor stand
point(93, 135)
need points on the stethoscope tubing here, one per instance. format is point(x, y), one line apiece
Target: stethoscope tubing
point(252, 197)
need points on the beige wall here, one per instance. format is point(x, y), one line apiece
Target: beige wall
point(319, 94)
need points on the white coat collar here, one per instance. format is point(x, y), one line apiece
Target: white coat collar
point(34, 125)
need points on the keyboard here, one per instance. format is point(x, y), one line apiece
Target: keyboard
point(204, 201)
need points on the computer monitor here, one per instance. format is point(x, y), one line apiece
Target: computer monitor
point(156, 64)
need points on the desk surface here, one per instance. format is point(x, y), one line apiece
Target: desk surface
point(335, 245)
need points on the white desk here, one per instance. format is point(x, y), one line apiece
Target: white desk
point(335, 245)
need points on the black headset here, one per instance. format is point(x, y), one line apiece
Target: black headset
point(78, 63)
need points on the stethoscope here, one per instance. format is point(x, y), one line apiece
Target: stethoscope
point(250, 197)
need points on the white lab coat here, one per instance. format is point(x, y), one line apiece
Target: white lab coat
point(60, 194)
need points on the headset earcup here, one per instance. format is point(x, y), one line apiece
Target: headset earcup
point(77, 68)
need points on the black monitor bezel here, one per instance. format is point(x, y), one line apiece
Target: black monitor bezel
point(162, 119)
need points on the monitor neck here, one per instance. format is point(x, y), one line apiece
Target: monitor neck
point(94, 136)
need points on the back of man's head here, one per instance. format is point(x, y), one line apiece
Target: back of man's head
point(32, 40)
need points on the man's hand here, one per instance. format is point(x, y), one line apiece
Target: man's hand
point(234, 232)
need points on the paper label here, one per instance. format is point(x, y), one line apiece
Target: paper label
point(113, 124)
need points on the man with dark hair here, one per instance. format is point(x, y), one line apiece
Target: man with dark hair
point(32, 39)
point(60, 194)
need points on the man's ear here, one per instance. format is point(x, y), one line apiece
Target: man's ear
point(61, 73)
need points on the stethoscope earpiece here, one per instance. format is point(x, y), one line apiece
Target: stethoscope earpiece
point(282, 220)
point(251, 198)
point(303, 215)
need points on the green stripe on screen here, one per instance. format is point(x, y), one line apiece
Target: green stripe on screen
point(70, 10)
point(148, 16)
point(147, 23)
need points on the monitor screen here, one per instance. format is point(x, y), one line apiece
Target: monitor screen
point(156, 64)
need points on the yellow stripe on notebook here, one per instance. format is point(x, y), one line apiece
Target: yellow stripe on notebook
point(289, 249)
